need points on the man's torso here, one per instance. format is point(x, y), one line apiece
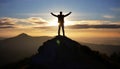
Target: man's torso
point(60, 18)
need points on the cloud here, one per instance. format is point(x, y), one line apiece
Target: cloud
point(95, 22)
point(85, 26)
point(7, 22)
point(37, 20)
point(7, 27)
point(108, 16)
point(46, 27)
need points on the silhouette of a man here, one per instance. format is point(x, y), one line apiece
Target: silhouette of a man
point(61, 21)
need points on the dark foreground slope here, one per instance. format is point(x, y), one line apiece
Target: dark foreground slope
point(64, 53)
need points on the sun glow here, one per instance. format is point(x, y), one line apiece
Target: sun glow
point(55, 23)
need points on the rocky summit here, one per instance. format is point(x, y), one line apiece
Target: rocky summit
point(64, 53)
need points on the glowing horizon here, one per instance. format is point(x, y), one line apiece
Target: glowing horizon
point(88, 19)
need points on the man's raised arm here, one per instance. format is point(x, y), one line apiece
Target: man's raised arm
point(68, 14)
point(53, 14)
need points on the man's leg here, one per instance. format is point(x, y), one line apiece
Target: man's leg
point(63, 29)
point(59, 30)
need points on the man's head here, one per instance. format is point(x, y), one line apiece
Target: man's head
point(60, 12)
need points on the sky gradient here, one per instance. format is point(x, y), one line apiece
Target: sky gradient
point(89, 18)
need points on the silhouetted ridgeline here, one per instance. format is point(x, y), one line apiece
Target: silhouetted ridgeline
point(16, 48)
point(64, 53)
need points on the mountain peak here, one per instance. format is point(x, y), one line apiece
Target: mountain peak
point(62, 52)
point(23, 35)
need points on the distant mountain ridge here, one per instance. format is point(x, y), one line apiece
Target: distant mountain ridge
point(105, 49)
point(20, 46)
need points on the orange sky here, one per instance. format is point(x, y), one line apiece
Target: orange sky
point(69, 32)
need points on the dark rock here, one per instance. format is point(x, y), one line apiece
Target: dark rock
point(64, 53)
